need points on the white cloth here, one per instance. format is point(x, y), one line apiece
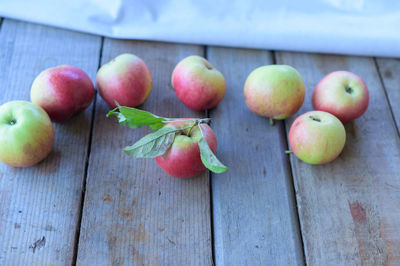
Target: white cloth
point(358, 27)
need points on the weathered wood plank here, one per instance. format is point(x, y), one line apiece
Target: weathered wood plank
point(350, 209)
point(254, 214)
point(43, 202)
point(389, 70)
point(134, 214)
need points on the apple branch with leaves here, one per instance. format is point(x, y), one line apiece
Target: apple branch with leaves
point(159, 141)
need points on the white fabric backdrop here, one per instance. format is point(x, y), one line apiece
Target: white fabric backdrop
point(359, 27)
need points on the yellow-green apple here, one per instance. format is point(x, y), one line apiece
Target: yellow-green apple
point(274, 91)
point(182, 159)
point(125, 79)
point(317, 137)
point(26, 134)
point(343, 94)
point(62, 91)
point(197, 83)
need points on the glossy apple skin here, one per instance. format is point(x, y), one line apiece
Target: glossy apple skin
point(198, 84)
point(62, 91)
point(317, 142)
point(274, 91)
point(330, 95)
point(125, 79)
point(26, 134)
point(183, 159)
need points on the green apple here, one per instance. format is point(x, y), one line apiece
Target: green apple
point(317, 137)
point(26, 134)
point(274, 91)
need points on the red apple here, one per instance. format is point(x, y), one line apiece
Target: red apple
point(317, 137)
point(197, 83)
point(343, 94)
point(125, 79)
point(26, 134)
point(183, 159)
point(274, 91)
point(62, 91)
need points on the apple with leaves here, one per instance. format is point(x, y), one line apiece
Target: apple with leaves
point(182, 147)
point(198, 84)
point(317, 137)
point(62, 91)
point(183, 158)
point(26, 134)
point(274, 91)
point(125, 79)
point(343, 94)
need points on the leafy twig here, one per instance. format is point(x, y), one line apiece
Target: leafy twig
point(158, 142)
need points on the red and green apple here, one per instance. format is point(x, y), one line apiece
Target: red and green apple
point(62, 91)
point(274, 91)
point(182, 159)
point(317, 137)
point(125, 79)
point(343, 94)
point(198, 84)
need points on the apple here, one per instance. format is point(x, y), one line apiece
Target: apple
point(274, 91)
point(125, 79)
point(182, 159)
point(317, 137)
point(343, 94)
point(26, 134)
point(198, 84)
point(62, 91)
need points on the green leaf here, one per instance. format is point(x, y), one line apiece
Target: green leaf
point(153, 144)
point(208, 158)
point(135, 118)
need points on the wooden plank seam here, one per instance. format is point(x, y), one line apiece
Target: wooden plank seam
point(79, 223)
point(387, 96)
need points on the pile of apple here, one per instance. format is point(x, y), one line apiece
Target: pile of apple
point(316, 137)
point(58, 93)
point(182, 147)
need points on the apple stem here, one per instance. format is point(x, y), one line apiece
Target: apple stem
point(271, 121)
point(199, 120)
point(288, 152)
point(190, 129)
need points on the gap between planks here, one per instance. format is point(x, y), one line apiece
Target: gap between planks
point(292, 183)
point(378, 70)
point(250, 196)
point(210, 175)
point(78, 226)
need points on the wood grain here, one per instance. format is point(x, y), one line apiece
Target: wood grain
point(134, 213)
point(350, 208)
point(389, 70)
point(39, 205)
point(255, 219)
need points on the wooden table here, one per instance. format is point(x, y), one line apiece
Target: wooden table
point(90, 204)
